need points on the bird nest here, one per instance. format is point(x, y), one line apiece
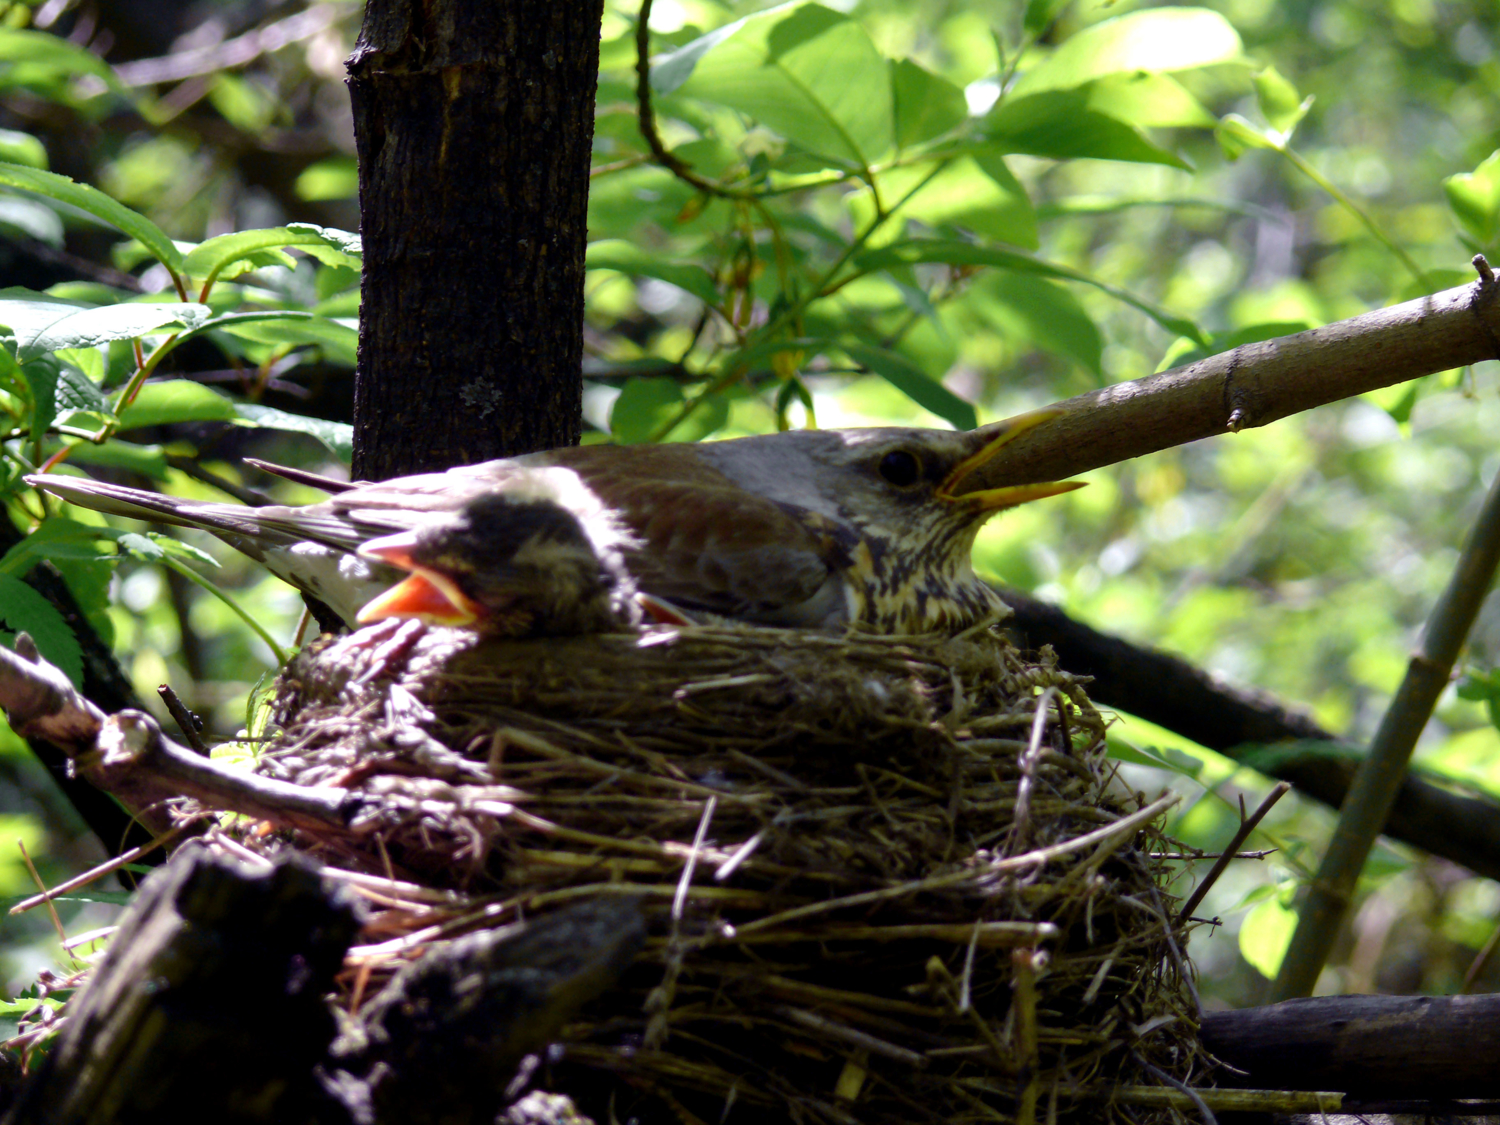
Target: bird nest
point(883, 879)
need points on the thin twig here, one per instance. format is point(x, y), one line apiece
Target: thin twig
point(168, 837)
point(186, 721)
point(1247, 826)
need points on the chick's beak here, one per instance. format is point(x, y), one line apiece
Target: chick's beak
point(426, 594)
point(995, 499)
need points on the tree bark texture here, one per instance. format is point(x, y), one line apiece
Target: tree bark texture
point(474, 123)
point(1431, 1047)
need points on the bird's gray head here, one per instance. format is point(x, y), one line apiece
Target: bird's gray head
point(897, 483)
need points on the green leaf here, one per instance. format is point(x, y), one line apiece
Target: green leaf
point(1265, 935)
point(89, 327)
point(925, 105)
point(624, 257)
point(1063, 125)
point(23, 609)
point(176, 400)
point(1279, 101)
point(1153, 40)
point(54, 538)
point(289, 327)
point(88, 581)
point(1040, 14)
point(334, 178)
point(57, 58)
point(1475, 199)
point(645, 405)
point(31, 218)
point(97, 204)
point(1030, 308)
point(334, 247)
point(246, 105)
point(218, 255)
point(809, 73)
point(59, 390)
point(915, 383)
point(1236, 134)
point(338, 437)
point(22, 148)
point(918, 251)
point(148, 460)
point(976, 192)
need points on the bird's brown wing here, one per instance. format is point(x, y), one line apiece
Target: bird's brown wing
point(722, 549)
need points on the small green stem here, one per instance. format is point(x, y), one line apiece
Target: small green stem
point(1353, 208)
point(193, 576)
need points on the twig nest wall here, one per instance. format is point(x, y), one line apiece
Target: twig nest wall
point(884, 879)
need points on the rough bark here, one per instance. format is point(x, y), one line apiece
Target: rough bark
point(474, 124)
point(208, 1006)
point(1371, 1047)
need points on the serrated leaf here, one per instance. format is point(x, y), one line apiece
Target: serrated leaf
point(176, 400)
point(338, 437)
point(24, 610)
point(55, 538)
point(1153, 40)
point(624, 257)
point(88, 581)
point(96, 203)
point(915, 384)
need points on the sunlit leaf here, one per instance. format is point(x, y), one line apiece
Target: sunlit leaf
point(22, 148)
point(1475, 199)
point(1265, 935)
point(976, 192)
point(90, 327)
point(1279, 101)
point(337, 436)
point(95, 203)
point(915, 383)
point(1063, 125)
point(809, 73)
point(1031, 308)
point(208, 260)
point(1156, 39)
point(926, 106)
point(176, 400)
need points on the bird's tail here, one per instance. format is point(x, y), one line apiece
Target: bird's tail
point(233, 522)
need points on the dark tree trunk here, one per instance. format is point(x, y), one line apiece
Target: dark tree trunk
point(474, 123)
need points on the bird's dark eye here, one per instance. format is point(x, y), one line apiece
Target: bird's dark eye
point(900, 468)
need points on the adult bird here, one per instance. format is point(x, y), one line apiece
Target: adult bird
point(816, 529)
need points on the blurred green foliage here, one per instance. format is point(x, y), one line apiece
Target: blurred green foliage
point(883, 211)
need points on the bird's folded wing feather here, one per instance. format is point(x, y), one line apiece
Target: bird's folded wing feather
point(728, 551)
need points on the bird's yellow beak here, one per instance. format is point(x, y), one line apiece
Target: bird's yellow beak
point(996, 499)
point(426, 594)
